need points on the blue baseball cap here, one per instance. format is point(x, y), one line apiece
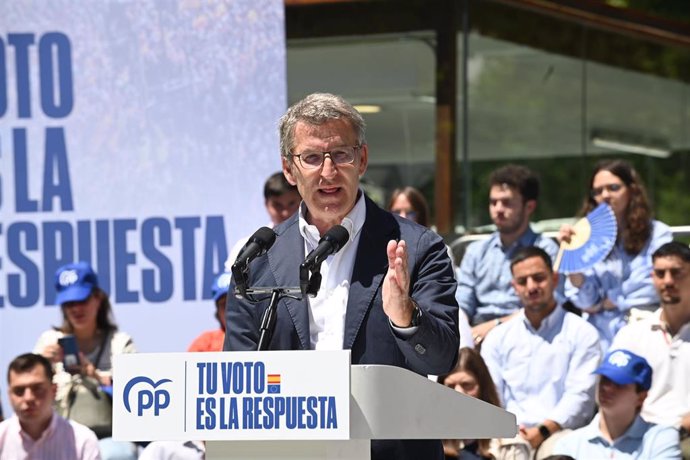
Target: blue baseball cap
point(221, 285)
point(74, 282)
point(624, 367)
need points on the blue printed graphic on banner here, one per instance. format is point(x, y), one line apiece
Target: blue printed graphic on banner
point(147, 399)
point(273, 381)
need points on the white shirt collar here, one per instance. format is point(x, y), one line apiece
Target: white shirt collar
point(353, 222)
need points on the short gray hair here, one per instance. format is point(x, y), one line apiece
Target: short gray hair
point(317, 109)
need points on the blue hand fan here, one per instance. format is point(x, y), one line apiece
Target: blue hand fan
point(595, 235)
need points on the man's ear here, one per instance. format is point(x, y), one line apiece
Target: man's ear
point(530, 206)
point(287, 171)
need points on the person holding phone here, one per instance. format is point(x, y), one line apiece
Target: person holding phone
point(88, 337)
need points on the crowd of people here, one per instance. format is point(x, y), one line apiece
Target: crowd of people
point(593, 364)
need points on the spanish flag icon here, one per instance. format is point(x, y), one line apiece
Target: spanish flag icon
point(273, 383)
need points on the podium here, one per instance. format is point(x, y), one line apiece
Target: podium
point(383, 402)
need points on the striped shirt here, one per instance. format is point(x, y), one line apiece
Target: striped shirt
point(62, 440)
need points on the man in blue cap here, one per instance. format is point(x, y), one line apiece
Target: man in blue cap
point(213, 340)
point(618, 431)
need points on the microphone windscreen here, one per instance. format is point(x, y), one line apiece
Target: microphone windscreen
point(338, 236)
point(264, 237)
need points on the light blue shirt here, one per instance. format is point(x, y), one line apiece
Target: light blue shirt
point(642, 440)
point(546, 373)
point(484, 276)
point(624, 279)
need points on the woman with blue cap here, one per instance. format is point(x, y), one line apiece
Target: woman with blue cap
point(87, 321)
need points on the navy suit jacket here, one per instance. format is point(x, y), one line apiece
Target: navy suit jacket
point(432, 349)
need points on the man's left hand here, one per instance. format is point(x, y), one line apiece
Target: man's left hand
point(397, 303)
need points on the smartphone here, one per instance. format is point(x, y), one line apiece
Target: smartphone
point(70, 351)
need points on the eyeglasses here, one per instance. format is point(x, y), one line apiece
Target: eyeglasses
point(339, 156)
point(610, 187)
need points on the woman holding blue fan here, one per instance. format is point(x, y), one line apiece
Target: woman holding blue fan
point(622, 281)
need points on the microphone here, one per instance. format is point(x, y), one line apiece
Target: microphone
point(257, 245)
point(330, 243)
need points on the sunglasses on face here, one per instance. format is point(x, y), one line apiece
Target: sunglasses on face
point(610, 188)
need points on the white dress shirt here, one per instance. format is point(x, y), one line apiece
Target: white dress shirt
point(327, 310)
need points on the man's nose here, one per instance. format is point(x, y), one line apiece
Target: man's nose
point(668, 277)
point(328, 168)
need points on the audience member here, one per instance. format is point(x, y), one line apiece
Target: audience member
point(86, 315)
point(542, 360)
point(36, 431)
point(213, 340)
point(609, 290)
point(281, 200)
point(387, 295)
point(471, 377)
point(618, 431)
point(484, 290)
point(664, 341)
point(408, 202)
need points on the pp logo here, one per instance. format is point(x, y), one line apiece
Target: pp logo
point(147, 399)
point(68, 277)
point(619, 359)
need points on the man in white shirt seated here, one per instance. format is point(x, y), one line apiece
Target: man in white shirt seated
point(664, 341)
point(36, 430)
point(542, 359)
point(618, 431)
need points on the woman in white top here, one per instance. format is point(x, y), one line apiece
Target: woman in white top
point(87, 316)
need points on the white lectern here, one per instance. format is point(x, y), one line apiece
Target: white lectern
point(385, 402)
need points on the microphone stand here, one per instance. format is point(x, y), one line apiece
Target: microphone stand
point(309, 286)
point(268, 319)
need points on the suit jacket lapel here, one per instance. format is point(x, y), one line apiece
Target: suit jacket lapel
point(284, 262)
point(371, 263)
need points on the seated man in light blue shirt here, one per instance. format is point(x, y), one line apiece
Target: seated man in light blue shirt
point(542, 361)
point(484, 291)
point(618, 431)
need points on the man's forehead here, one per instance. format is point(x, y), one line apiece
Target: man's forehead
point(35, 375)
point(503, 191)
point(669, 262)
point(331, 128)
point(530, 266)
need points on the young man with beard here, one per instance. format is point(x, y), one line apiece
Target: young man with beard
point(484, 291)
point(664, 341)
point(542, 361)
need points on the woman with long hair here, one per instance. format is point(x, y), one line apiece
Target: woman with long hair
point(87, 321)
point(409, 202)
point(472, 378)
point(609, 290)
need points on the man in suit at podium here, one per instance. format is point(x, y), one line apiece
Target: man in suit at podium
point(387, 295)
